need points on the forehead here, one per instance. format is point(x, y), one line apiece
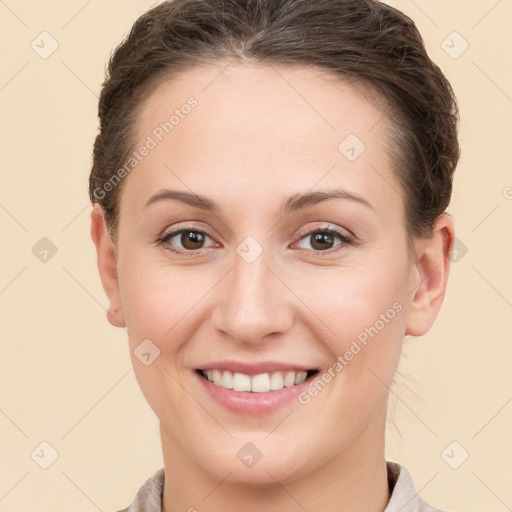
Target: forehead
point(257, 125)
point(265, 97)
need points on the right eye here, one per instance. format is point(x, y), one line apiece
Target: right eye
point(190, 239)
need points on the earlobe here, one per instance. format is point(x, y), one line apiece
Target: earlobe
point(431, 275)
point(107, 266)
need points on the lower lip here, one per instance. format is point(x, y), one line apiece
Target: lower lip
point(251, 403)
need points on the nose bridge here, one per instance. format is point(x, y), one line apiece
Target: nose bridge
point(253, 301)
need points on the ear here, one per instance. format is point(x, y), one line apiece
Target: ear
point(433, 258)
point(107, 266)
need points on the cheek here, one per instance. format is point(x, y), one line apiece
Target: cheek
point(156, 299)
point(158, 305)
point(358, 303)
point(364, 311)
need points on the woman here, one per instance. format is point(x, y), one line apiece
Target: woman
point(269, 184)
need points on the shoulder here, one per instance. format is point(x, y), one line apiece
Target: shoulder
point(149, 496)
point(404, 497)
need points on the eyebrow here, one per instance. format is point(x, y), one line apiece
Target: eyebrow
point(291, 204)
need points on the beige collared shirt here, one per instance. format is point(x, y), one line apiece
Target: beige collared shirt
point(404, 497)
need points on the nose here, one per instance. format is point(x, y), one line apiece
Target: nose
point(254, 305)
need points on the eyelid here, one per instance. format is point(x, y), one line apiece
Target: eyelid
point(191, 226)
point(327, 226)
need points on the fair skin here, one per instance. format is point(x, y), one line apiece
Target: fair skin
point(252, 142)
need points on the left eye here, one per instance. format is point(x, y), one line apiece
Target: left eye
point(322, 239)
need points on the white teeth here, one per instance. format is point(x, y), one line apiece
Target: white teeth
point(227, 380)
point(217, 377)
point(261, 383)
point(300, 377)
point(276, 381)
point(289, 380)
point(241, 382)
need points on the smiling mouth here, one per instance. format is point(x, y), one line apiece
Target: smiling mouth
point(261, 383)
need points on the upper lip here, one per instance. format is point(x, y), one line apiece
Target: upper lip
point(254, 368)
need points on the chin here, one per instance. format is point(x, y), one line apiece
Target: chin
point(247, 465)
point(261, 475)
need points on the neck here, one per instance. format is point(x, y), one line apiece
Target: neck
point(355, 480)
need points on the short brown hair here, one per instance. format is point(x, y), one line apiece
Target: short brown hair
point(361, 41)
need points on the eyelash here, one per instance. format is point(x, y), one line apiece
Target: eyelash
point(344, 238)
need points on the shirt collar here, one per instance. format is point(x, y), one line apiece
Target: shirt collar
point(404, 497)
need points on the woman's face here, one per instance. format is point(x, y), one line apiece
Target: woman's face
point(259, 288)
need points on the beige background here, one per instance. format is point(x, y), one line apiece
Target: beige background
point(65, 372)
